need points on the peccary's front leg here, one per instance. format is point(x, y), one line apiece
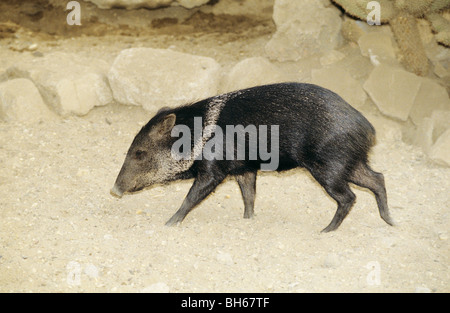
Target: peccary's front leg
point(202, 187)
point(247, 183)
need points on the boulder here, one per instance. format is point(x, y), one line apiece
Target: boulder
point(149, 4)
point(387, 130)
point(154, 78)
point(423, 136)
point(68, 83)
point(304, 28)
point(331, 57)
point(20, 100)
point(251, 72)
point(378, 46)
point(337, 79)
point(440, 151)
point(393, 90)
point(352, 29)
point(441, 123)
point(431, 97)
point(357, 65)
point(430, 130)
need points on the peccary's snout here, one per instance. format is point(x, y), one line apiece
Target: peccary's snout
point(116, 192)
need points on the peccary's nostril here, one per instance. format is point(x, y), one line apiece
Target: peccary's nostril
point(116, 192)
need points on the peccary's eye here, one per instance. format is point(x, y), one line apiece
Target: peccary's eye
point(140, 154)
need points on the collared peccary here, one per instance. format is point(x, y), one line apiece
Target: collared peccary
point(305, 126)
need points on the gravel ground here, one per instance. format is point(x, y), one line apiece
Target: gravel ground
point(61, 231)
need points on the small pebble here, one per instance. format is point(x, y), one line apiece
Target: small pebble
point(156, 288)
point(224, 258)
point(421, 289)
point(91, 271)
point(32, 47)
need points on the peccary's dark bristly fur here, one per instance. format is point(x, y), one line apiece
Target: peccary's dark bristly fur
point(317, 130)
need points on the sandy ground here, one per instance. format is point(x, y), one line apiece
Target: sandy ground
point(61, 230)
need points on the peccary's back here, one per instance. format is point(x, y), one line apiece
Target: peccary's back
point(314, 123)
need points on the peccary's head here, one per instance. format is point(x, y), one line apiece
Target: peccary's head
point(148, 159)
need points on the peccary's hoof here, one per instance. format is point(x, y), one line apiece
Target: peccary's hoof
point(116, 192)
point(173, 222)
point(389, 220)
point(328, 229)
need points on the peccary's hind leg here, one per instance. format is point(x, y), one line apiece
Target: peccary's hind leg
point(332, 177)
point(345, 199)
point(202, 187)
point(247, 184)
point(363, 176)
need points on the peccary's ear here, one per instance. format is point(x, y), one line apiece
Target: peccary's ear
point(166, 125)
point(163, 109)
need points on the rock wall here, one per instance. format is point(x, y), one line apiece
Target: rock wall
point(314, 42)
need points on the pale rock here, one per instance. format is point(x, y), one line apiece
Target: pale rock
point(430, 129)
point(331, 57)
point(443, 236)
point(352, 29)
point(440, 151)
point(440, 70)
point(149, 4)
point(154, 78)
point(337, 79)
point(251, 72)
point(20, 100)
point(423, 136)
point(304, 28)
point(378, 46)
point(421, 289)
point(441, 122)
point(357, 65)
point(69, 83)
point(386, 129)
point(393, 90)
point(431, 97)
point(286, 11)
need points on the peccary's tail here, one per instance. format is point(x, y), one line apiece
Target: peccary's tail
point(366, 129)
point(371, 136)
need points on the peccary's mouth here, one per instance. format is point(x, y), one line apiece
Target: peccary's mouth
point(116, 192)
point(136, 189)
